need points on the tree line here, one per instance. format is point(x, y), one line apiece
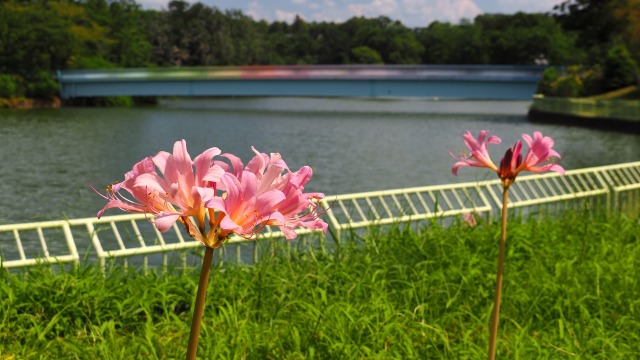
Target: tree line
point(38, 37)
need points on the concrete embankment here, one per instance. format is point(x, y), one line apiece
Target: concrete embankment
point(608, 114)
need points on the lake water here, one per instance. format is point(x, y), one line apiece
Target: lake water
point(50, 156)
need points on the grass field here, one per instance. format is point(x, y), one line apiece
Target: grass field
point(571, 291)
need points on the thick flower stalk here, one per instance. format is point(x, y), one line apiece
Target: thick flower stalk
point(215, 198)
point(540, 157)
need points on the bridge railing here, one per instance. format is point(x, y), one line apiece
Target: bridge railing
point(309, 72)
point(441, 81)
point(134, 236)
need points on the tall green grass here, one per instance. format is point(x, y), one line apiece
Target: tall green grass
point(571, 290)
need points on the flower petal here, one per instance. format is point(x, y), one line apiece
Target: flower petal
point(203, 163)
point(165, 220)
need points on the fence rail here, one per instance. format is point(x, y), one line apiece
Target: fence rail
point(126, 236)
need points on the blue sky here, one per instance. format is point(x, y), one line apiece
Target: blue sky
point(413, 13)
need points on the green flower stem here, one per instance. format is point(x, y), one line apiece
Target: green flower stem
point(199, 307)
point(496, 301)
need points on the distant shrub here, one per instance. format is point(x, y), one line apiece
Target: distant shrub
point(574, 81)
point(549, 76)
point(8, 86)
point(620, 69)
point(90, 63)
point(592, 81)
point(568, 86)
point(43, 86)
point(118, 101)
point(366, 55)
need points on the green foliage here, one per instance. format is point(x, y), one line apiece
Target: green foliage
point(567, 86)
point(8, 86)
point(120, 101)
point(575, 81)
point(393, 41)
point(450, 44)
point(42, 86)
point(570, 290)
point(365, 55)
point(90, 62)
point(33, 39)
point(549, 77)
point(46, 36)
point(620, 69)
point(521, 38)
point(594, 23)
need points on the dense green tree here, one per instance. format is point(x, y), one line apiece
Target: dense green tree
point(333, 43)
point(395, 43)
point(445, 43)
point(8, 86)
point(620, 69)
point(303, 47)
point(593, 22)
point(33, 38)
point(248, 40)
point(365, 55)
point(129, 45)
point(627, 14)
point(522, 38)
point(38, 37)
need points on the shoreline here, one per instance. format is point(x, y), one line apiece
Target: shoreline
point(601, 123)
point(604, 114)
point(28, 104)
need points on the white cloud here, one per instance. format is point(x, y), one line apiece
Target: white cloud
point(412, 13)
point(330, 18)
point(373, 9)
point(329, 12)
point(287, 16)
point(513, 6)
point(257, 11)
point(153, 4)
point(423, 12)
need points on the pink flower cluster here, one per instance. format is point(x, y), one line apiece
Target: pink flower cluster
point(539, 158)
point(225, 195)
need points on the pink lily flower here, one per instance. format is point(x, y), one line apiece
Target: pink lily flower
point(174, 194)
point(173, 188)
point(264, 193)
point(260, 194)
point(539, 158)
point(479, 154)
point(299, 208)
point(540, 151)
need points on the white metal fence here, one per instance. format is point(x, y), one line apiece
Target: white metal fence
point(133, 236)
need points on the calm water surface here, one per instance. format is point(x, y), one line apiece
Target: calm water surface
point(51, 156)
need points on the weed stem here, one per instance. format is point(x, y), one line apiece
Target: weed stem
point(496, 301)
point(199, 307)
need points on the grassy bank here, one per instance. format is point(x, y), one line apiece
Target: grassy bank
point(571, 291)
